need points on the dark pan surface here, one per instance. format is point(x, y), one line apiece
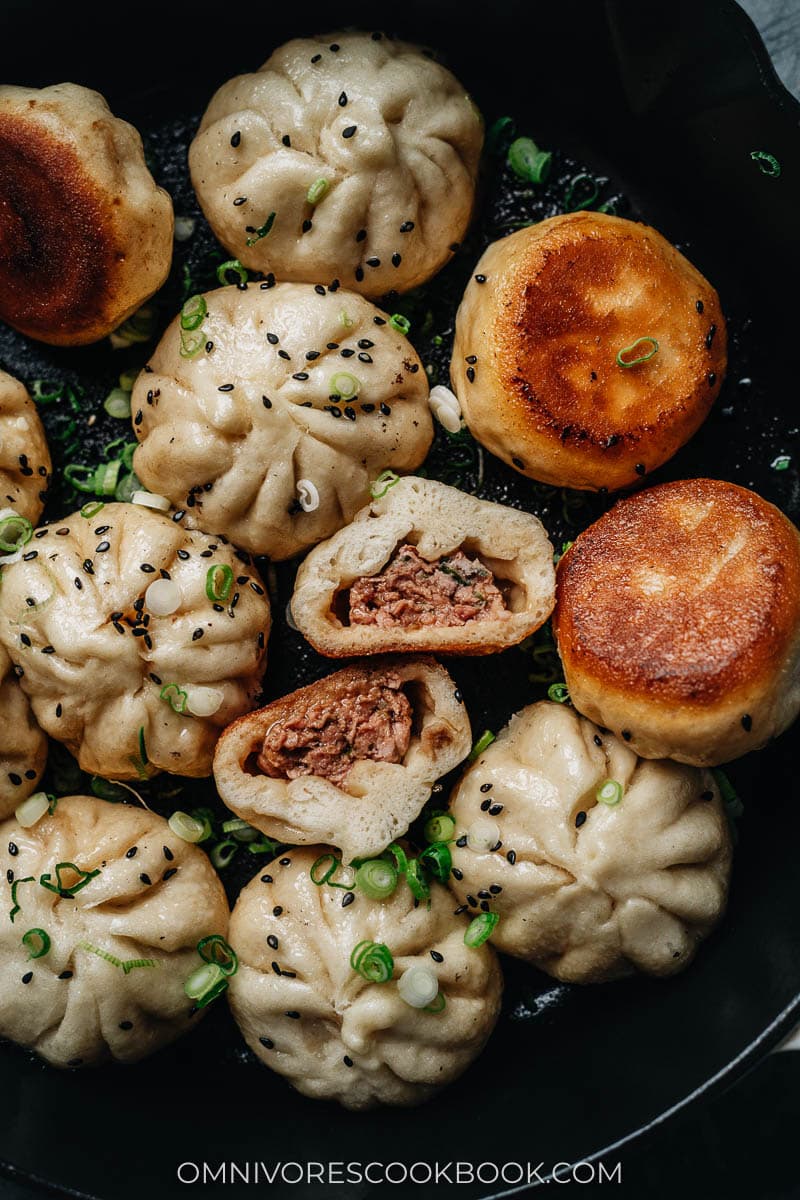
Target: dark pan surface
point(666, 123)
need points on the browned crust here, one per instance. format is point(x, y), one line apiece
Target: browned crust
point(684, 593)
point(570, 293)
point(57, 250)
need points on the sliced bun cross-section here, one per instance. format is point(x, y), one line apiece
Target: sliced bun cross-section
point(334, 1033)
point(587, 350)
point(291, 399)
point(112, 906)
point(349, 157)
point(426, 567)
point(349, 760)
point(86, 235)
point(598, 863)
point(678, 621)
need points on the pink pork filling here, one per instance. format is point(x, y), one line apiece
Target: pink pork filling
point(325, 735)
point(411, 591)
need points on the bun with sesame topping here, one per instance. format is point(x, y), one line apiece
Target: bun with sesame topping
point(142, 642)
point(269, 416)
point(587, 351)
point(601, 863)
point(23, 746)
point(335, 1034)
point(351, 157)
point(100, 933)
point(24, 457)
point(678, 621)
point(87, 234)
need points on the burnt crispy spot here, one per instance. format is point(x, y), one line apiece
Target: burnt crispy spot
point(683, 593)
point(57, 256)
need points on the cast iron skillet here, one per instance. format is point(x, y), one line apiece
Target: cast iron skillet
point(664, 103)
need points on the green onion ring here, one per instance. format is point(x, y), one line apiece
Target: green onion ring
point(386, 478)
point(318, 863)
point(118, 404)
point(643, 358)
point(576, 183)
point(91, 508)
point(399, 856)
point(528, 162)
point(318, 189)
point(61, 888)
point(437, 860)
point(15, 532)
point(767, 163)
point(236, 267)
point(437, 1006)
point(175, 697)
point(192, 342)
point(205, 983)
point(440, 828)
point(214, 949)
point(376, 878)
point(558, 693)
point(36, 942)
point(15, 902)
point(609, 793)
point(219, 582)
point(193, 313)
point(189, 829)
point(373, 961)
point(222, 853)
point(416, 880)
point(260, 233)
point(400, 323)
point(345, 385)
point(480, 929)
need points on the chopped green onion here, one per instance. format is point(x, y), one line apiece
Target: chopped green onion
point(766, 163)
point(652, 350)
point(85, 484)
point(781, 463)
point(193, 313)
point(265, 846)
point(219, 581)
point(379, 487)
point(60, 887)
point(318, 189)
point(132, 964)
point(127, 488)
point(440, 828)
point(418, 986)
point(399, 856)
point(415, 878)
point(106, 477)
point(128, 378)
point(260, 233)
point(206, 818)
point(175, 697)
point(91, 508)
point(107, 790)
point(205, 984)
point(438, 860)
point(480, 929)
point(498, 132)
point(46, 397)
point(192, 342)
point(32, 809)
point(187, 828)
point(730, 797)
point(214, 949)
point(344, 319)
point(241, 830)
point(609, 793)
point(15, 902)
point(36, 942)
point(400, 323)
point(99, 953)
point(373, 961)
point(376, 878)
point(559, 693)
point(118, 404)
point(437, 1006)
point(15, 532)
point(142, 747)
point(138, 328)
point(581, 183)
point(528, 161)
point(233, 265)
point(345, 385)
point(320, 865)
point(222, 853)
point(483, 743)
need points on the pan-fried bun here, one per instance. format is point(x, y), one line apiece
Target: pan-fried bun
point(23, 745)
point(537, 337)
point(493, 566)
point(86, 235)
point(402, 724)
point(24, 458)
point(678, 621)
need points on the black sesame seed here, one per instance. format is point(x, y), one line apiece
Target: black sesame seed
point(286, 357)
point(132, 852)
point(436, 956)
point(471, 374)
point(480, 279)
point(385, 410)
point(364, 357)
point(198, 633)
point(302, 376)
point(266, 879)
point(26, 641)
point(580, 819)
point(347, 1060)
point(225, 387)
point(305, 228)
point(710, 336)
point(373, 261)
point(518, 463)
point(168, 874)
point(511, 857)
point(275, 968)
point(495, 889)
point(347, 899)
point(78, 584)
point(471, 358)
point(495, 810)
point(712, 379)
point(267, 1043)
point(462, 841)
point(137, 420)
point(640, 469)
point(102, 547)
point(350, 413)
point(295, 1016)
point(699, 305)
point(126, 1025)
point(707, 796)
point(236, 139)
point(598, 741)
point(359, 274)
point(484, 906)
point(30, 555)
point(277, 910)
point(407, 226)
point(239, 201)
point(486, 787)
point(65, 975)
point(148, 568)
point(272, 942)
point(145, 878)
point(27, 977)
point(462, 908)
point(346, 353)
point(368, 408)
point(361, 235)
point(483, 894)
point(13, 848)
point(457, 696)
point(349, 131)
point(342, 99)
point(458, 873)
point(485, 805)
point(747, 722)
point(472, 902)
point(626, 735)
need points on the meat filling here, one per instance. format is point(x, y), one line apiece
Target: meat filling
point(326, 734)
point(410, 591)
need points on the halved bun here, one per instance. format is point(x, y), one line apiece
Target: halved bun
point(377, 801)
point(87, 234)
point(537, 336)
point(678, 621)
point(437, 521)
